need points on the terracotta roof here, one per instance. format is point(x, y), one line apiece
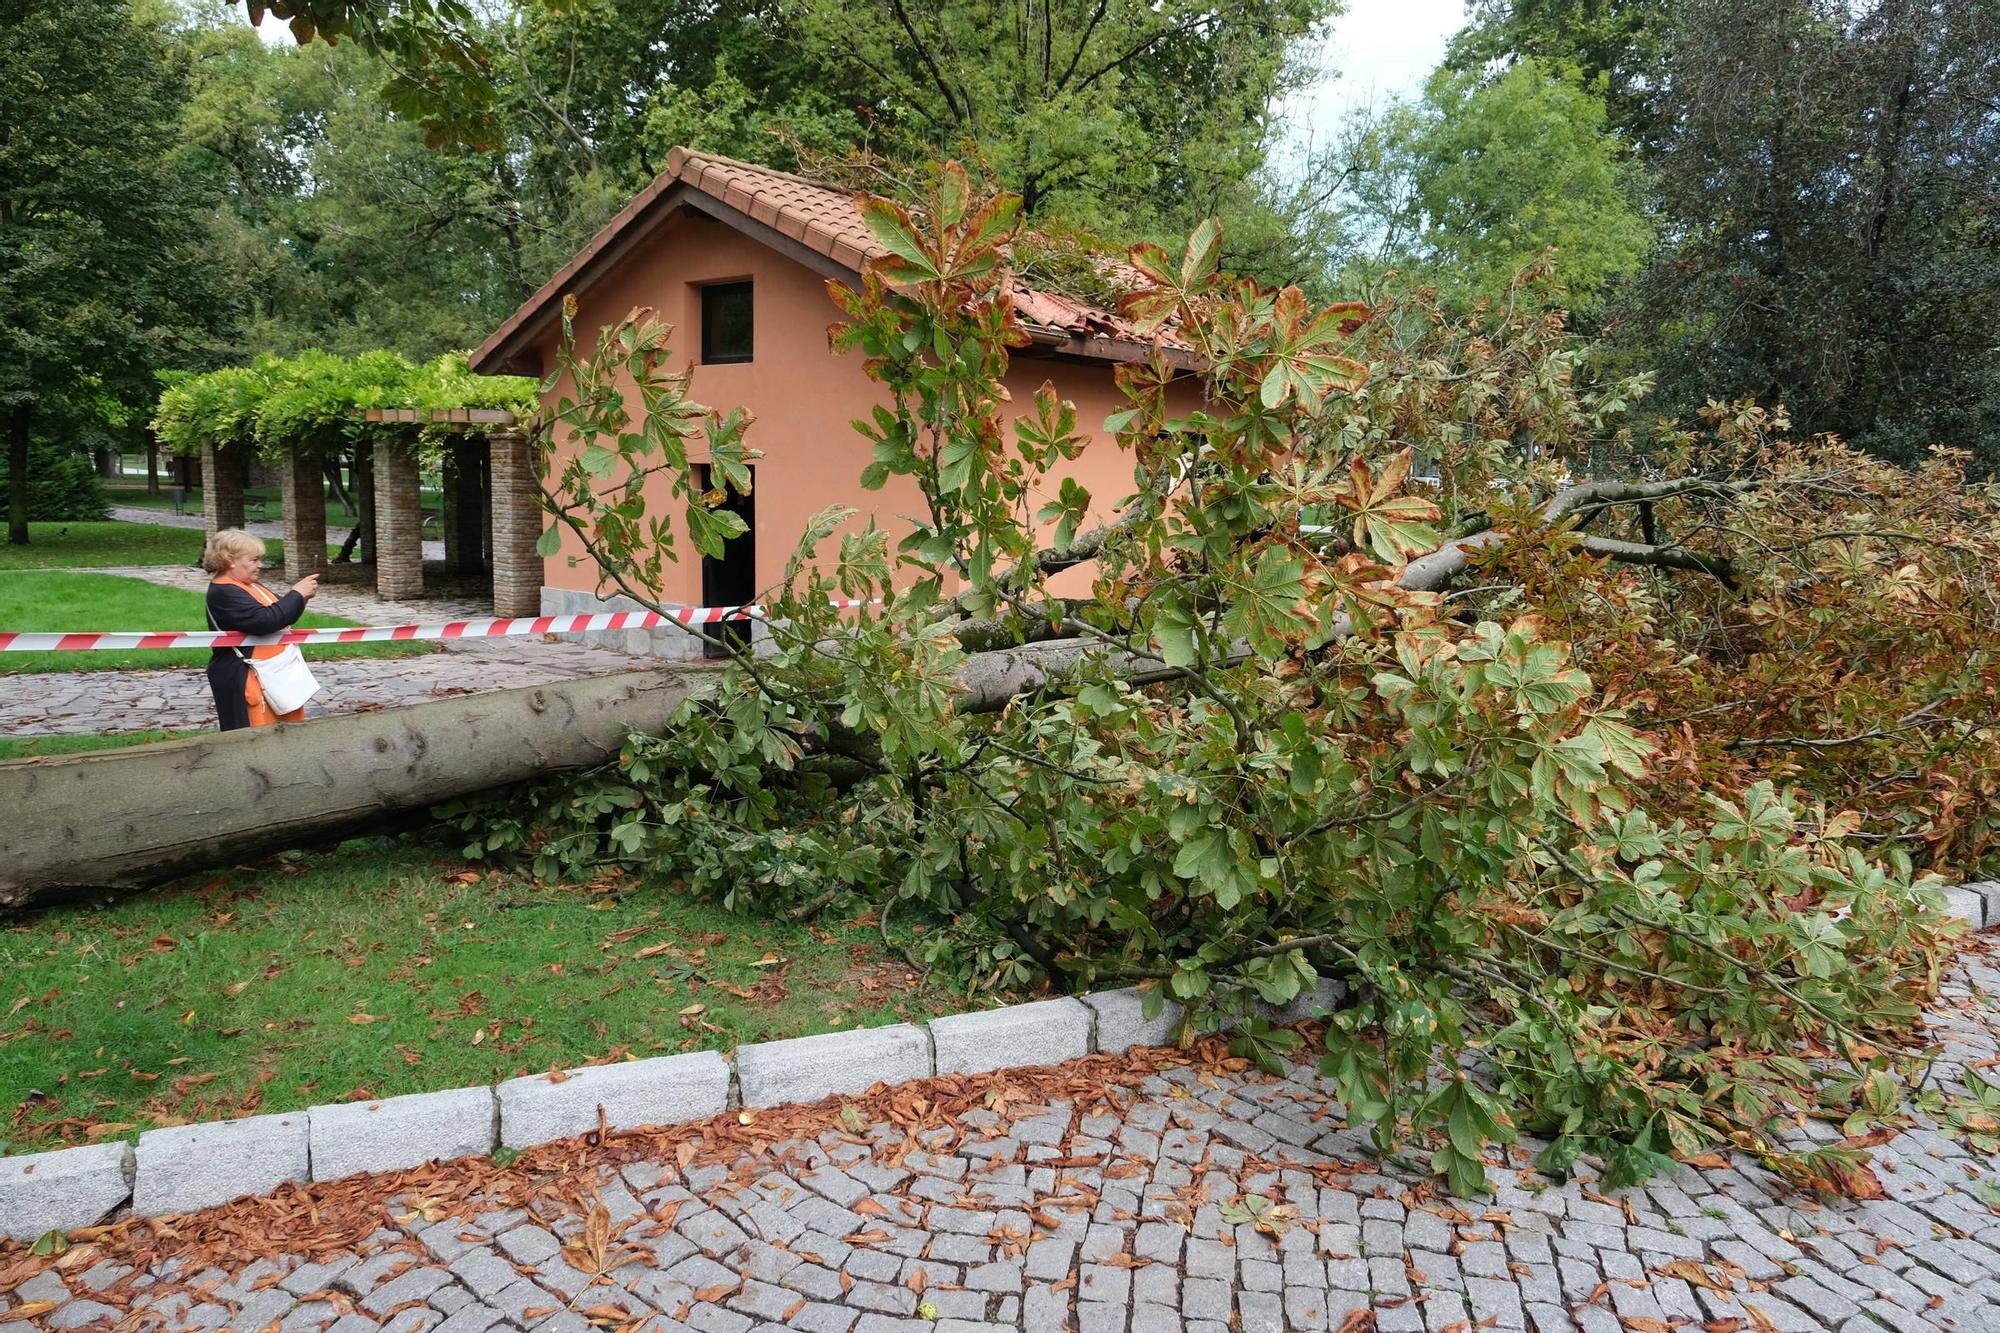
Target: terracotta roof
point(821, 220)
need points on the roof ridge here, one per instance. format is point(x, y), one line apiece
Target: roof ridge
point(691, 154)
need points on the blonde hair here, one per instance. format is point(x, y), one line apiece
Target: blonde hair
point(227, 546)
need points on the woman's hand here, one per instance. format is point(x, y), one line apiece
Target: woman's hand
point(307, 586)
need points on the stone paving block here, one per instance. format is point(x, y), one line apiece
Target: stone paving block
point(634, 1094)
point(1122, 1022)
point(198, 1166)
point(1045, 1032)
point(62, 1190)
point(401, 1132)
point(805, 1069)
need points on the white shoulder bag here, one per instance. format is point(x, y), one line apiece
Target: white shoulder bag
point(288, 682)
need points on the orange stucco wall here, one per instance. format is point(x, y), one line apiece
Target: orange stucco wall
point(802, 396)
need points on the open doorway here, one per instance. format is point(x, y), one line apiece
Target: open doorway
point(731, 579)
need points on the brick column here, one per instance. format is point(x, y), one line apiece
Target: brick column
point(221, 488)
point(517, 526)
point(464, 539)
point(302, 492)
point(399, 522)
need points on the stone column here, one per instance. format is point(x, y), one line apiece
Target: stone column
point(302, 492)
point(517, 526)
point(399, 522)
point(221, 488)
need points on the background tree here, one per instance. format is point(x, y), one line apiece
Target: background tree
point(102, 279)
point(1112, 112)
point(1614, 46)
point(1831, 187)
point(1486, 173)
point(1825, 178)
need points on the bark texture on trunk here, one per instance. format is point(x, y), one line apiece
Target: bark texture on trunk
point(117, 820)
point(17, 473)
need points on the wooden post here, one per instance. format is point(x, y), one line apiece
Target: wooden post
point(399, 521)
point(302, 492)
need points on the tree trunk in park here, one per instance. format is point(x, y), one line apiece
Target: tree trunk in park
point(195, 804)
point(17, 473)
point(110, 821)
point(118, 820)
point(152, 464)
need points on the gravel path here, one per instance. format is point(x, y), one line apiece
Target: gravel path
point(1049, 1201)
point(89, 702)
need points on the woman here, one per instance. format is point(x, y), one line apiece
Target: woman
point(237, 601)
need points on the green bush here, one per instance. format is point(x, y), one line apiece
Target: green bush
point(62, 485)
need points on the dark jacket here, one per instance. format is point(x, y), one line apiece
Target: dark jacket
point(230, 607)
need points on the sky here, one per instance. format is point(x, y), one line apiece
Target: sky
point(1376, 50)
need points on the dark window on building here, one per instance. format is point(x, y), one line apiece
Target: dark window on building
point(725, 322)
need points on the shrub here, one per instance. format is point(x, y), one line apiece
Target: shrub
point(62, 485)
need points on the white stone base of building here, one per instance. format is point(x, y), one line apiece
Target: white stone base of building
point(664, 641)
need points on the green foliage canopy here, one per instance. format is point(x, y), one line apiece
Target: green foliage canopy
point(1485, 175)
point(101, 276)
point(316, 402)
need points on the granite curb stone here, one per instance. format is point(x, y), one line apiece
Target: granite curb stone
point(1045, 1032)
point(1324, 997)
point(805, 1069)
point(1967, 903)
point(1122, 1022)
point(56, 1190)
point(62, 1190)
point(1988, 892)
point(397, 1133)
point(539, 1109)
point(186, 1167)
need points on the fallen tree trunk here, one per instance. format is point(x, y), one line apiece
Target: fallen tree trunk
point(116, 820)
point(190, 805)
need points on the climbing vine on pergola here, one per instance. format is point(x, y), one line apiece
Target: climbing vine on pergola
point(388, 421)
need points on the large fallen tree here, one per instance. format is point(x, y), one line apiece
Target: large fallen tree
point(1616, 790)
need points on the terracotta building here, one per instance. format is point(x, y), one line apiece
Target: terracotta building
point(737, 257)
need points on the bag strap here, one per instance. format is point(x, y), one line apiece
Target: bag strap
point(241, 656)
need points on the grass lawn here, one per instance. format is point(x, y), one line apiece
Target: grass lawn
point(47, 600)
point(82, 545)
point(383, 969)
point(27, 747)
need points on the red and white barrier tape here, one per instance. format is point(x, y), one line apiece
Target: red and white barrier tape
point(497, 628)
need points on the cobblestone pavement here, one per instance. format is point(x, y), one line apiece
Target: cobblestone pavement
point(83, 702)
point(1211, 1201)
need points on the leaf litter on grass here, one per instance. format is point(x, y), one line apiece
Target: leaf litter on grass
point(375, 971)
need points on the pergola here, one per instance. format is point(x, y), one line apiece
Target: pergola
point(492, 520)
